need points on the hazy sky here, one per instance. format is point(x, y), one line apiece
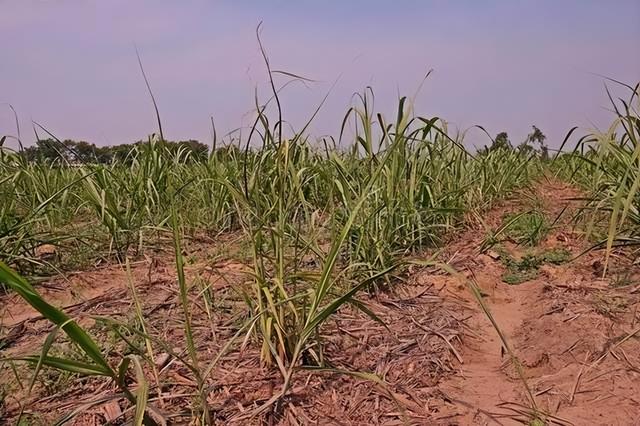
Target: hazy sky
point(71, 65)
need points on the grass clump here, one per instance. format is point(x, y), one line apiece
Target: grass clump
point(557, 256)
point(610, 306)
point(527, 268)
point(528, 228)
point(607, 165)
point(520, 271)
point(518, 277)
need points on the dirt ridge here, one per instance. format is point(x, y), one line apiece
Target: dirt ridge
point(554, 326)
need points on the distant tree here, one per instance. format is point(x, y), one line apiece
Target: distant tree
point(51, 150)
point(45, 150)
point(83, 152)
point(500, 142)
point(191, 149)
point(103, 154)
point(525, 148)
point(199, 150)
point(121, 153)
point(536, 137)
point(228, 151)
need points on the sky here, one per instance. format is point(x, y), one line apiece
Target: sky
point(71, 65)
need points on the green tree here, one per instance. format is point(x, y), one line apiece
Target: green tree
point(536, 137)
point(84, 152)
point(501, 142)
point(45, 150)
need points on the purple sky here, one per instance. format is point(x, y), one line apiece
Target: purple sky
point(71, 65)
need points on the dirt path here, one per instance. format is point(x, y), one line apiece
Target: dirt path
point(482, 383)
point(574, 334)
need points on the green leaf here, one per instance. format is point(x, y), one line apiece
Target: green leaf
point(122, 371)
point(56, 316)
point(45, 350)
point(142, 393)
point(70, 365)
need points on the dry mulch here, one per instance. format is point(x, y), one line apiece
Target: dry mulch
point(575, 334)
point(412, 352)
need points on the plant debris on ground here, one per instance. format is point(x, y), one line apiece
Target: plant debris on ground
point(281, 282)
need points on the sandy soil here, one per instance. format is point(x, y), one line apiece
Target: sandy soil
point(575, 335)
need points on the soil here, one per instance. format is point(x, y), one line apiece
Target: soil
point(572, 339)
point(575, 335)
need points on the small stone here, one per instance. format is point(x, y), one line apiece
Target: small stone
point(46, 251)
point(493, 254)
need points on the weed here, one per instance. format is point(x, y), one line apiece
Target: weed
point(610, 306)
point(556, 256)
point(527, 268)
point(623, 279)
point(519, 277)
point(607, 164)
point(528, 228)
point(30, 419)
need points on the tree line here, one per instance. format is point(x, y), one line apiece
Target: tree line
point(84, 152)
point(49, 150)
point(534, 144)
